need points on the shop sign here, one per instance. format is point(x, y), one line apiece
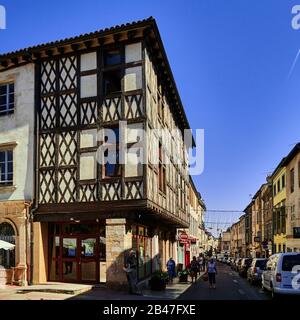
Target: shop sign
point(183, 238)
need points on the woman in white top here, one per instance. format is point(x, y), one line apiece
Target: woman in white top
point(212, 271)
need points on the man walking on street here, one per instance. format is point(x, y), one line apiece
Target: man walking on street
point(131, 272)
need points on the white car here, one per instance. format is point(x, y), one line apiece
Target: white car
point(282, 274)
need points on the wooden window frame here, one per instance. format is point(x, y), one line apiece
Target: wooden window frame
point(6, 182)
point(7, 94)
point(161, 171)
point(292, 180)
point(112, 146)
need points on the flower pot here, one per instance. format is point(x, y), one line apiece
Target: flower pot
point(157, 284)
point(183, 278)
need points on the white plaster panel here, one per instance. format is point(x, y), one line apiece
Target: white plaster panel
point(88, 138)
point(132, 167)
point(87, 166)
point(133, 78)
point(134, 133)
point(88, 61)
point(133, 52)
point(88, 86)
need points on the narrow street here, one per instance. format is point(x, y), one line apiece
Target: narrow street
point(230, 286)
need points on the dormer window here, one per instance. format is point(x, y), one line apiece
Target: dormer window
point(7, 98)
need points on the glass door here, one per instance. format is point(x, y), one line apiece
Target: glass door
point(69, 259)
point(88, 259)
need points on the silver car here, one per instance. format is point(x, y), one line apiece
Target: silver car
point(256, 269)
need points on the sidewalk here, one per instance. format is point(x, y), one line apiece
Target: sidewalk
point(68, 291)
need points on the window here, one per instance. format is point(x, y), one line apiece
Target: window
point(7, 98)
point(283, 181)
point(6, 168)
point(299, 174)
point(7, 234)
point(112, 166)
point(274, 190)
point(161, 171)
point(289, 261)
point(278, 185)
point(112, 81)
point(112, 57)
point(292, 180)
point(160, 108)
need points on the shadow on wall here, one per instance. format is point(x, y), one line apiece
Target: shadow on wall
point(116, 277)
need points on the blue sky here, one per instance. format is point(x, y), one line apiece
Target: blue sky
point(231, 61)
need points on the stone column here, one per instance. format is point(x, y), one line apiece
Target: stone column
point(21, 267)
point(118, 241)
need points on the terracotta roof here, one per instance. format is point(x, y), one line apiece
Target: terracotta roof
point(82, 37)
point(149, 22)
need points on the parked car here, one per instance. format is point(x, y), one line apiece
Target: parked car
point(282, 274)
point(233, 263)
point(244, 266)
point(237, 263)
point(256, 269)
point(224, 260)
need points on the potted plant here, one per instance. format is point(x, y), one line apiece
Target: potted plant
point(183, 275)
point(158, 280)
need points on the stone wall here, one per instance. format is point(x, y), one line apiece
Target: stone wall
point(118, 242)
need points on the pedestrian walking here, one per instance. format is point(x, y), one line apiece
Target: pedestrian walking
point(131, 272)
point(212, 272)
point(201, 263)
point(194, 269)
point(171, 269)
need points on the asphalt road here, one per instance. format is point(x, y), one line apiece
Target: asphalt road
point(229, 286)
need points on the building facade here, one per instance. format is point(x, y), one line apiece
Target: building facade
point(292, 163)
point(267, 221)
point(225, 242)
point(279, 208)
point(248, 230)
point(16, 170)
point(89, 213)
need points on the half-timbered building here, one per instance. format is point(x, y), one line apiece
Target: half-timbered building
point(88, 214)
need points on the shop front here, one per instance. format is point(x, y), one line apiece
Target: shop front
point(14, 246)
point(142, 245)
point(77, 252)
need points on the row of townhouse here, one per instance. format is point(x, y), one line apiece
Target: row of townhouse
point(271, 222)
point(70, 218)
point(193, 241)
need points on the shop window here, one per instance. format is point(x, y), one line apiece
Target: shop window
point(6, 168)
point(7, 98)
point(102, 244)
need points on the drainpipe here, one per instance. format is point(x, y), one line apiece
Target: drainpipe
point(35, 166)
